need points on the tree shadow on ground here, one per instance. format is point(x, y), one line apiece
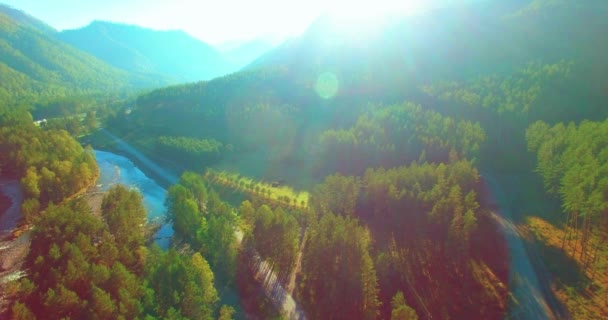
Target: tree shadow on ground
point(563, 267)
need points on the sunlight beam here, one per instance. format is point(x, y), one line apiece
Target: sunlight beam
point(365, 11)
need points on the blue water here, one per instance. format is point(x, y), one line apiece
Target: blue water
point(10, 218)
point(115, 169)
point(146, 162)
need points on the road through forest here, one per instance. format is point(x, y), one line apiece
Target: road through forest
point(532, 294)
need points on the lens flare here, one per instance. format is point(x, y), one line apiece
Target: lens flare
point(364, 11)
point(327, 85)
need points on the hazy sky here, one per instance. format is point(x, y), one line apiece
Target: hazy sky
point(211, 21)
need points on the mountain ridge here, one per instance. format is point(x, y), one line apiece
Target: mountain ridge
point(36, 65)
point(173, 53)
point(25, 19)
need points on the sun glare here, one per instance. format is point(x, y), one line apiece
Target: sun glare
point(359, 18)
point(371, 11)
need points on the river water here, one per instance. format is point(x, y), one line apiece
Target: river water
point(9, 219)
point(115, 169)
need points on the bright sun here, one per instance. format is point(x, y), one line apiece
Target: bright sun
point(356, 19)
point(369, 11)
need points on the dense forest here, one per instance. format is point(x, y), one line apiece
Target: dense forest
point(84, 266)
point(51, 165)
point(392, 174)
point(416, 216)
point(572, 163)
point(36, 65)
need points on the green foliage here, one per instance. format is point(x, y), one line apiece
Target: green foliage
point(337, 194)
point(30, 209)
point(437, 191)
point(423, 220)
point(392, 135)
point(226, 313)
point(204, 221)
point(184, 211)
point(196, 185)
point(506, 102)
point(272, 192)
point(178, 286)
point(191, 151)
point(275, 235)
point(219, 243)
point(72, 272)
point(416, 215)
point(244, 112)
point(247, 214)
point(339, 280)
point(81, 267)
point(125, 215)
point(52, 165)
point(400, 310)
point(573, 163)
point(36, 66)
point(517, 93)
point(21, 312)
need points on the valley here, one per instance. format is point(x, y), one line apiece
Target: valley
point(448, 162)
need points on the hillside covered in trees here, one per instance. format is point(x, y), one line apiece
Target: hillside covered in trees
point(342, 175)
point(314, 107)
point(35, 64)
point(174, 55)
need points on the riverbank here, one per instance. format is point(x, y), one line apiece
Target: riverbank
point(15, 237)
point(12, 254)
point(579, 284)
point(117, 169)
point(102, 140)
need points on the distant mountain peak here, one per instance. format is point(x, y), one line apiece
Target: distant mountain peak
point(24, 19)
point(172, 53)
point(36, 66)
point(124, 25)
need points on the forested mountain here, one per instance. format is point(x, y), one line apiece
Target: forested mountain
point(25, 19)
point(172, 54)
point(447, 43)
point(35, 65)
point(473, 79)
point(353, 169)
point(505, 71)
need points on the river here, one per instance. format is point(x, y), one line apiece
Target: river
point(115, 169)
point(9, 219)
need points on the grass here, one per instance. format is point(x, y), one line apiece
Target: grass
point(580, 286)
point(280, 193)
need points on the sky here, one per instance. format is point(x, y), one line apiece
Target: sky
point(214, 22)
